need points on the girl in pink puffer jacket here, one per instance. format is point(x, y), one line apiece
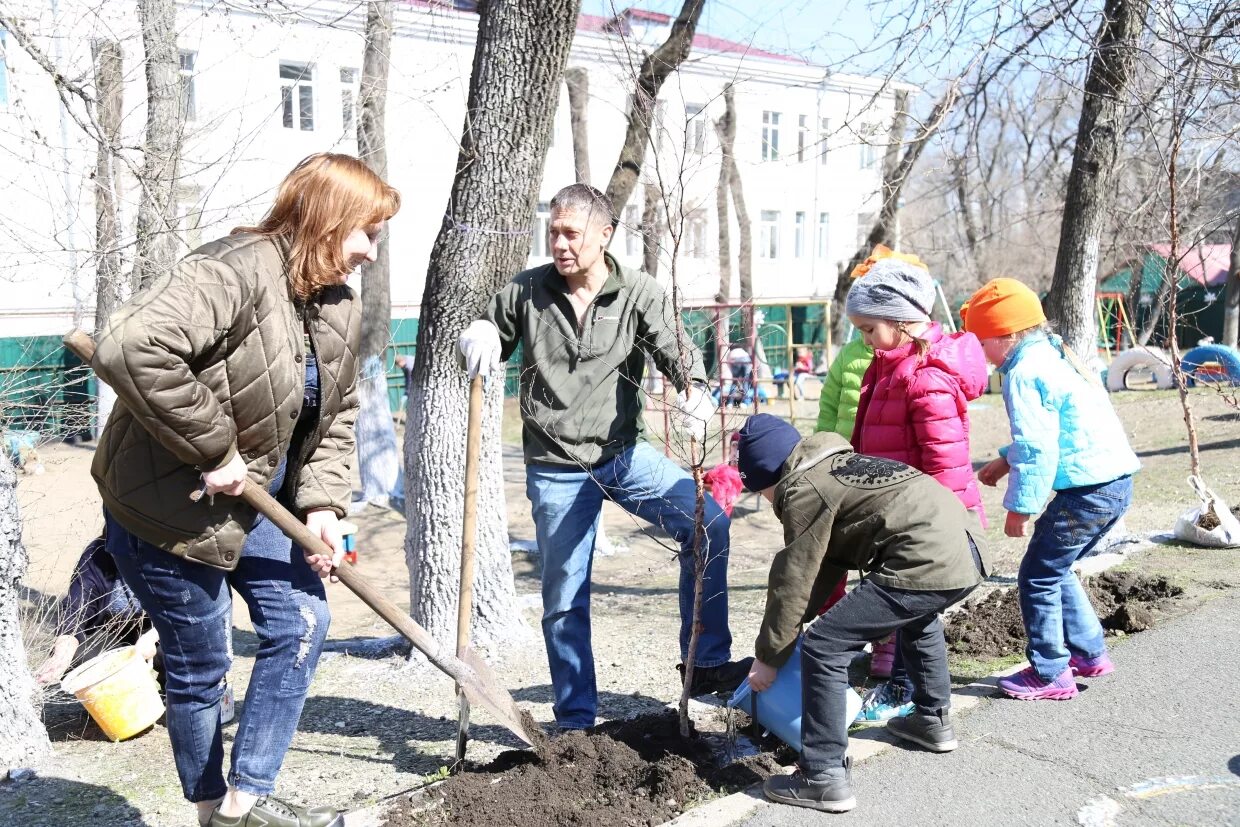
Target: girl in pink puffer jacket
point(913, 408)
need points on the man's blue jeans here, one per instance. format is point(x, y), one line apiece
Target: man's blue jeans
point(566, 505)
point(190, 605)
point(1059, 619)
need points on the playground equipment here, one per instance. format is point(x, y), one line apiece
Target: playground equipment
point(1129, 364)
point(1212, 365)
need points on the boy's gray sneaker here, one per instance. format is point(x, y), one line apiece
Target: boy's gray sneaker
point(933, 732)
point(831, 795)
point(271, 812)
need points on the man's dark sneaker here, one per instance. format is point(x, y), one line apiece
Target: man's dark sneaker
point(831, 795)
point(724, 678)
point(933, 732)
point(270, 812)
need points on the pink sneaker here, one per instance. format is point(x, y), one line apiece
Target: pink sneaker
point(1026, 685)
point(1091, 667)
point(883, 657)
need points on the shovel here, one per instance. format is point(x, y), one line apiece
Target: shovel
point(473, 676)
point(473, 445)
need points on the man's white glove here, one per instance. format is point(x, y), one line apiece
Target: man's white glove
point(696, 409)
point(479, 348)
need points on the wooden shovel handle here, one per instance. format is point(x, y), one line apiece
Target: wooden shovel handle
point(469, 523)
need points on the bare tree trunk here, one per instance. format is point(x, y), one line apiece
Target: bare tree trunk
point(726, 129)
point(1172, 276)
point(1070, 303)
point(109, 89)
point(378, 455)
point(960, 174)
point(651, 230)
point(578, 81)
point(518, 64)
point(655, 69)
point(1231, 296)
point(155, 251)
point(724, 293)
point(22, 736)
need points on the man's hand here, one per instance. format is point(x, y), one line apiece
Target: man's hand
point(230, 479)
point(993, 471)
point(761, 676)
point(479, 347)
point(696, 409)
point(324, 524)
point(1016, 524)
point(57, 664)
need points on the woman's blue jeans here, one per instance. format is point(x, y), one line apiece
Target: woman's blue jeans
point(1059, 619)
point(566, 506)
point(190, 605)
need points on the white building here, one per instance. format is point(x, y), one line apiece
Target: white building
point(266, 84)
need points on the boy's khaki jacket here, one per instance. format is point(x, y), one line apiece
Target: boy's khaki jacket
point(208, 362)
point(841, 511)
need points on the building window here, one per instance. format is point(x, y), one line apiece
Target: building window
point(824, 131)
point(695, 234)
point(802, 137)
point(824, 234)
point(798, 238)
point(865, 220)
point(768, 244)
point(542, 228)
point(632, 231)
point(189, 103)
point(869, 152)
point(770, 136)
point(695, 128)
point(348, 99)
point(297, 95)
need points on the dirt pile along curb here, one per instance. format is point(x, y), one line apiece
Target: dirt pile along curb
point(634, 772)
point(1125, 601)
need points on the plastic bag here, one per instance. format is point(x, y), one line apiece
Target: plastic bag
point(1211, 524)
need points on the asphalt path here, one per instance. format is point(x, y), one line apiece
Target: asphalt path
point(1156, 742)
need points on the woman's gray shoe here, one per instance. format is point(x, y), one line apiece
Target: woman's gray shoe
point(831, 795)
point(271, 812)
point(933, 732)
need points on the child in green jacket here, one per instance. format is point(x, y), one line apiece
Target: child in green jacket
point(837, 408)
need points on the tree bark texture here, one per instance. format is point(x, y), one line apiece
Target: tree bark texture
point(1231, 295)
point(724, 293)
point(155, 250)
point(726, 128)
point(518, 65)
point(651, 229)
point(1070, 303)
point(22, 736)
point(578, 81)
point(655, 69)
point(378, 454)
point(109, 88)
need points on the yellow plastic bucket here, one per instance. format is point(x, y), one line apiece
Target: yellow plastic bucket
point(119, 690)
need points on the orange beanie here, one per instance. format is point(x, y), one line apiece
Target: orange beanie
point(880, 252)
point(1000, 307)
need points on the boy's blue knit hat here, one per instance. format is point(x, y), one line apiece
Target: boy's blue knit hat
point(766, 443)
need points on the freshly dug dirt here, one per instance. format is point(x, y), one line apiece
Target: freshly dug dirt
point(1125, 601)
point(634, 772)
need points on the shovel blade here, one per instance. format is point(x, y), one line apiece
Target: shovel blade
point(462, 727)
point(482, 688)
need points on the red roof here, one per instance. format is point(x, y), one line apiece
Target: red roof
point(1206, 264)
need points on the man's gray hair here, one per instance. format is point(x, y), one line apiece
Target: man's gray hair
point(585, 198)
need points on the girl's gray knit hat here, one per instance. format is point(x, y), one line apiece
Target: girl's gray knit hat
point(894, 290)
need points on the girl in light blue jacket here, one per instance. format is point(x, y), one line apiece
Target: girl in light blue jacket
point(1066, 441)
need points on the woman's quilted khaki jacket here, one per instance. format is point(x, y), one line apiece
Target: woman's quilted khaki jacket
point(207, 362)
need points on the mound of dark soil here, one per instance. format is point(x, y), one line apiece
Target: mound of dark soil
point(635, 772)
point(1125, 602)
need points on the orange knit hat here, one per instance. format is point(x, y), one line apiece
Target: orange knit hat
point(880, 252)
point(1000, 307)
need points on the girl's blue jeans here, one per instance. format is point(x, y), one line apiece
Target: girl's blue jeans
point(566, 505)
point(1059, 619)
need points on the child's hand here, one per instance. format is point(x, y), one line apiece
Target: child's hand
point(761, 676)
point(1016, 524)
point(993, 471)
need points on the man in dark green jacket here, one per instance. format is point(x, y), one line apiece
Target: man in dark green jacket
point(918, 551)
point(587, 326)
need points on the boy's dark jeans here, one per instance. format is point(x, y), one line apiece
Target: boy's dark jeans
point(868, 612)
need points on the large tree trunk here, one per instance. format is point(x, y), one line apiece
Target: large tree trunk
point(109, 89)
point(22, 736)
point(1070, 303)
point(378, 455)
point(518, 64)
point(724, 294)
point(655, 69)
point(155, 250)
point(651, 229)
point(726, 129)
point(578, 81)
point(1231, 296)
